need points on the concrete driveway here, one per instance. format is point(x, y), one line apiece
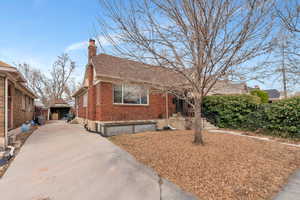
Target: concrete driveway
point(61, 161)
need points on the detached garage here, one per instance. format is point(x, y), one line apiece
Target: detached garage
point(59, 109)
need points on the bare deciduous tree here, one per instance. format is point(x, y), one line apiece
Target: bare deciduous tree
point(202, 40)
point(35, 80)
point(60, 74)
point(289, 13)
point(282, 62)
point(58, 83)
point(281, 65)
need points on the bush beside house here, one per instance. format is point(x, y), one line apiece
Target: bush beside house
point(246, 112)
point(284, 117)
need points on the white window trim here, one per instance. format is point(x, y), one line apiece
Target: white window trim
point(128, 104)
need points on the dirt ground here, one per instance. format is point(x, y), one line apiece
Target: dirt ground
point(226, 167)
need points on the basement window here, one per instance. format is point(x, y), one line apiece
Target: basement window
point(130, 94)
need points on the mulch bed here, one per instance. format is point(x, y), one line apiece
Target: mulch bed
point(226, 167)
point(22, 137)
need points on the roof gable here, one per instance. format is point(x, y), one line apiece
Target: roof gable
point(3, 64)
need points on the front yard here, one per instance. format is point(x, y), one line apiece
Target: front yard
point(227, 167)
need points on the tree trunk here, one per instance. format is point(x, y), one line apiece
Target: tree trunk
point(198, 139)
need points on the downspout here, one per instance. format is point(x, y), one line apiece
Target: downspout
point(48, 114)
point(6, 114)
point(167, 108)
point(77, 106)
point(167, 112)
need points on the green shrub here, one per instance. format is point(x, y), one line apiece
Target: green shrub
point(284, 117)
point(229, 111)
point(245, 112)
point(264, 97)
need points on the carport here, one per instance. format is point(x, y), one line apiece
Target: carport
point(59, 109)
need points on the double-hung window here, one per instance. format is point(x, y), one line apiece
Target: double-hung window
point(130, 94)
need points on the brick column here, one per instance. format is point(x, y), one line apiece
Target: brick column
point(2, 112)
point(91, 95)
point(92, 51)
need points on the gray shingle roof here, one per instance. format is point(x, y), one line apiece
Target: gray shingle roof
point(116, 67)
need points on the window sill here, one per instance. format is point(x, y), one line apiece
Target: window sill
point(123, 104)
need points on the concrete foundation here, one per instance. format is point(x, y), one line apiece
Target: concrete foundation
point(111, 128)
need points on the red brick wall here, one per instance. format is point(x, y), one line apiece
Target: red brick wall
point(107, 111)
point(81, 109)
point(92, 102)
point(21, 115)
point(18, 115)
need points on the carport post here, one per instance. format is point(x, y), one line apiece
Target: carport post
point(6, 113)
point(48, 114)
point(167, 108)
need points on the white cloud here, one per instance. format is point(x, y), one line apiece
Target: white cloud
point(84, 44)
point(77, 46)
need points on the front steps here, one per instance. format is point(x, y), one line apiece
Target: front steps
point(207, 125)
point(187, 123)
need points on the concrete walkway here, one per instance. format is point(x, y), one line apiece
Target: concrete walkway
point(61, 161)
point(292, 190)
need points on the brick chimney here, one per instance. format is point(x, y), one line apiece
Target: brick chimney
point(92, 50)
point(91, 108)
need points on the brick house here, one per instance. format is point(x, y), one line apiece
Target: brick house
point(16, 101)
point(118, 90)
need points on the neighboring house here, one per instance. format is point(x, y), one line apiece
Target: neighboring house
point(41, 113)
point(58, 109)
point(125, 91)
point(16, 101)
point(274, 95)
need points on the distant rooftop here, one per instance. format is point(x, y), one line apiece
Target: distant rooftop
point(273, 93)
point(59, 103)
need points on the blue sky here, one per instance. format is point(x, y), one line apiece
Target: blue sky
point(37, 31)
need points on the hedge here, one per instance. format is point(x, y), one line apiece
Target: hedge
point(284, 117)
point(264, 97)
point(246, 112)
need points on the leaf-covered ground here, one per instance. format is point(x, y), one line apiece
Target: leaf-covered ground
point(226, 167)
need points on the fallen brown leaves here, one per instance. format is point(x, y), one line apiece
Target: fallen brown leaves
point(226, 167)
